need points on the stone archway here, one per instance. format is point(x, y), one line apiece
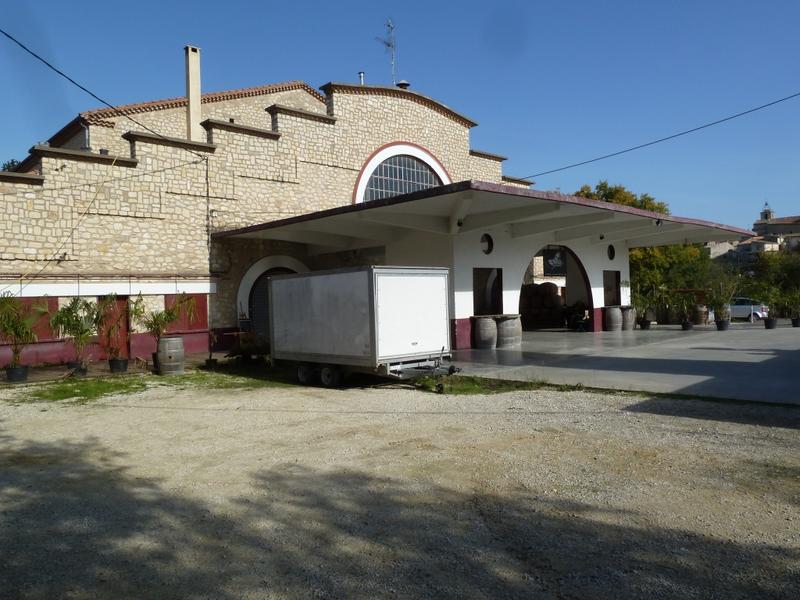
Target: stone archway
point(255, 271)
point(557, 297)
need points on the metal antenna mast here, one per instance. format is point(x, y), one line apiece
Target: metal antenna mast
point(390, 44)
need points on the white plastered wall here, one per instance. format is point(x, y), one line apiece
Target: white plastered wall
point(462, 253)
point(513, 256)
point(420, 249)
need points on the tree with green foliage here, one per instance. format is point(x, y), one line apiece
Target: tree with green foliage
point(775, 280)
point(10, 165)
point(619, 194)
point(670, 267)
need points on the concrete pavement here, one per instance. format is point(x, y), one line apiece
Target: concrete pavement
point(746, 362)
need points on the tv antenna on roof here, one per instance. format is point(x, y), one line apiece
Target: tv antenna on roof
point(390, 44)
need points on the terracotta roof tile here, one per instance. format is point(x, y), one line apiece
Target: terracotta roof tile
point(100, 116)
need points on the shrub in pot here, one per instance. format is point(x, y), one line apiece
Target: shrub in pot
point(793, 302)
point(157, 322)
point(16, 327)
point(111, 340)
point(683, 302)
point(642, 300)
point(78, 321)
point(719, 297)
point(774, 298)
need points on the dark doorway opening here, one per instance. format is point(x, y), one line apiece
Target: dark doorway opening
point(555, 292)
point(487, 291)
point(259, 303)
point(612, 295)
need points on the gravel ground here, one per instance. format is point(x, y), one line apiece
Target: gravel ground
point(390, 492)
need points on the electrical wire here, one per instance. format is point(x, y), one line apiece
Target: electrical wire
point(88, 91)
point(32, 276)
point(664, 139)
point(112, 179)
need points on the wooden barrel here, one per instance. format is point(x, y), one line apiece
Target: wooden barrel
point(170, 356)
point(549, 290)
point(612, 318)
point(509, 331)
point(485, 332)
point(700, 314)
point(628, 318)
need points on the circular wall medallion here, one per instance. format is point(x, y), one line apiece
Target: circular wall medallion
point(611, 252)
point(487, 243)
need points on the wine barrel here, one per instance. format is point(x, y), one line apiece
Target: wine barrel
point(509, 331)
point(170, 356)
point(485, 332)
point(628, 318)
point(700, 314)
point(612, 318)
point(549, 290)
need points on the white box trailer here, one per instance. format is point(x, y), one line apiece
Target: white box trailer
point(391, 321)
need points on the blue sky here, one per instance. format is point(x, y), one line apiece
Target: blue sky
point(550, 83)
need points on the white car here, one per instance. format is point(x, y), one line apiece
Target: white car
point(747, 308)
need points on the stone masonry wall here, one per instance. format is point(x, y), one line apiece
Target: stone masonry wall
point(91, 218)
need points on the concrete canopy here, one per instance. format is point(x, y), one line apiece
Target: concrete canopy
point(468, 206)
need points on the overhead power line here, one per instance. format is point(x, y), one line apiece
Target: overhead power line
point(664, 139)
point(87, 90)
point(32, 276)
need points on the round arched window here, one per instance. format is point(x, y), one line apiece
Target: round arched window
point(400, 174)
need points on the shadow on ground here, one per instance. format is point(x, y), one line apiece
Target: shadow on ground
point(259, 369)
point(787, 417)
point(75, 523)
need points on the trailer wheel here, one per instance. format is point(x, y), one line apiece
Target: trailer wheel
point(331, 376)
point(306, 374)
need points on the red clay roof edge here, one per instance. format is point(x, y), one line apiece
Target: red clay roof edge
point(100, 114)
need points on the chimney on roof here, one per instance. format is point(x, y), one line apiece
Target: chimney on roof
point(403, 84)
point(194, 130)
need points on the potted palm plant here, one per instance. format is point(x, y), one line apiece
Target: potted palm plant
point(113, 343)
point(793, 301)
point(78, 321)
point(683, 303)
point(157, 322)
point(642, 300)
point(719, 296)
point(16, 327)
point(773, 297)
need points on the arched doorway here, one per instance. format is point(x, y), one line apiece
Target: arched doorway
point(555, 292)
point(258, 303)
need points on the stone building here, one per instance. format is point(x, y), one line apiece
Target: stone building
point(187, 195)
point(777, 231)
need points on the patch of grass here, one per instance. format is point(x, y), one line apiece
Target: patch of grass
point(85, 390)
point(464, 385)
point(220, 380)
point(228, 376)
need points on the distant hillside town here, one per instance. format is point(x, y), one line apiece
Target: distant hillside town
point(772, 234)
